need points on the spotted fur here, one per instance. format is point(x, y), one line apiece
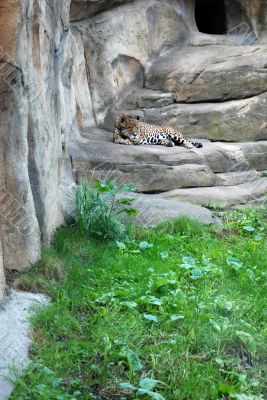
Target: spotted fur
point(130, 130)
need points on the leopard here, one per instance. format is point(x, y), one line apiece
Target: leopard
point(129, 130)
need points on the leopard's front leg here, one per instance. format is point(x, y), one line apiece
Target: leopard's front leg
point(123, 141)
point(118, 139)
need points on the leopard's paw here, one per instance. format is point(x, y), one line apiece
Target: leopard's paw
point(189, 146)
point(169, 143)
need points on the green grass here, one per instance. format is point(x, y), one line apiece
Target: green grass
point(182, 305)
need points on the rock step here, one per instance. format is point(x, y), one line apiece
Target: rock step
point(158, 169)
point(232, 121)
point(223, 196)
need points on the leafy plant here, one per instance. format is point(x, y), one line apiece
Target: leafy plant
point(145, 245)
point(146, 387)
point(46, 384)
point(101, 209)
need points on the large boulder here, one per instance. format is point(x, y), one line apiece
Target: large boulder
point(210, 73)
point(154, 210)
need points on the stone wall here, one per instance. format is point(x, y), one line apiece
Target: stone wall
point(58, 79)
point(31, 34)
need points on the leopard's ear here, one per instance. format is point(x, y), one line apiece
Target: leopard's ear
point(137, 117)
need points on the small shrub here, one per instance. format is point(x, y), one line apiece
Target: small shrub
point(101, 209)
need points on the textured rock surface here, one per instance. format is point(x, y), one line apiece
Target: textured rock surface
point(158, 169)
point(146, 98)
point(30, 140)
point(154, 210)
point(210, 73)
point(83, 9)
point(2, 275)
point(237, 178)
point(224, 196)
point(14, 339)
point(60, 79)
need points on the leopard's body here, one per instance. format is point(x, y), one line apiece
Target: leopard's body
point(130, 130)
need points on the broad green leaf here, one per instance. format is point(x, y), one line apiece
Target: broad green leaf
point(148, 384)
point(164, 255)
point(127, 386)
point(223, 303)
point(161, 282)
point(155, 301)
point(145, 245)
point(129, 304)
point(121, 245)
point(132, 359)
point(176, 317)
point(249, 228)
point(151, 317)
point(152, 395)
point(196, 274)
point(156, 396)
point(170, 341)
point(151, 300)
point(234, 263)
point(188, 262)
point(105, 185)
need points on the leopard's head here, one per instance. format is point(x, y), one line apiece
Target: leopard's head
point(129, 127)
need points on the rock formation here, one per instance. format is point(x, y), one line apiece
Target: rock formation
point(67, 66)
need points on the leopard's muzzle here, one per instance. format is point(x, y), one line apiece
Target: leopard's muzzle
point(134, 137)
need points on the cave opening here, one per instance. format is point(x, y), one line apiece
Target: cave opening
point(211, 16)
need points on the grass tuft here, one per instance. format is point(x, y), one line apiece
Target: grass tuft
point(100, 209)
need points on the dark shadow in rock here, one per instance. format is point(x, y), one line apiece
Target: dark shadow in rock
point(211, 16)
